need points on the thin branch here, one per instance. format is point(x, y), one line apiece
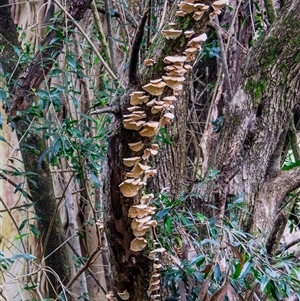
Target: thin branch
point(15, 185)
point(113, 110)
point(116, 14)
point(286, 247)
point(111, 73)
point(101, 34)
point(85, 267)
point(109, 34)
point(134, 59)
point(223, 57)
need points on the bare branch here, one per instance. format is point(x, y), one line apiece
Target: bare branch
point(135, 51)
point(113, 110)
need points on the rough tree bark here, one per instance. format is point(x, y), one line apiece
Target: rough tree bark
point(40, 183)
point(131, 271)
point(249, 146)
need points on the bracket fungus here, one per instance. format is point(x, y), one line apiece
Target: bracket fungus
point(171, 33)
point(219, 4)
point(138, 244)
point(149, 62)
point(136, 146)
point(155, 87)
point(174, 59)
point(134, 98)
point(166, 118)
point(174, 82)
point(149, 129)
point(145, 199)
point(130, 162)
point(124, 295)
point(180, 13)
point(188, 33)
point(130, 188)
point(137, 170)
point(111, 297)
point(140, 210)
point(132, 124)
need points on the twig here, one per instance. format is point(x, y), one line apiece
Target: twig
point(15, 185)
point(131, 20)
point(109, 35)
point(101, 34)
point(132, 73)
point(83, 268)
point(223, 57)
point(90, 271)
point(286, 247)
point(113, 110)
point(111, 73)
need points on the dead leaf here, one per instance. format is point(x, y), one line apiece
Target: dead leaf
point(203, 293)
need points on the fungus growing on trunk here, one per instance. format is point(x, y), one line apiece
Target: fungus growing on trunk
point(171, 33)
point(149, 129)
point(130, 162)
point(137, 170)
point(155, 87)
point(138, 244)
point(136, 146)
point(130, 188)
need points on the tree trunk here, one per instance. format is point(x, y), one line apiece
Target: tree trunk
point(249, 146)
point(132, 270)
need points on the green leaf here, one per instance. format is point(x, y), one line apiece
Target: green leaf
point(34, 230)
point(263, 282)
point(22, 224)
point(71, 61)
point(246, 269)
point(162, 213)
point(217, 273)
point(289, 166)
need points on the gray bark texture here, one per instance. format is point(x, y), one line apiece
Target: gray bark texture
point(249, 146)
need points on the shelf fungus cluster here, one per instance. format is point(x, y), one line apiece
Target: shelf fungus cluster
point(198, 9)
point(148, 111)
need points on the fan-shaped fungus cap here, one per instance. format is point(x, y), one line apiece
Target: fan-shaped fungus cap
point(174, 82)
point(130, 188)
point(219, 4)
point(171, 33)
point(149, 62)
point(169, 99)
point(180, 13)
point(133, 108)
point(156, 109)
point(151, 102)
point(188, 33)
point(174, 59)
point(197, 40)
point(131, 161)
point(214, 14)
point(166, 118)
point(145, 199)
point(111, 297)
point(155, 87)
point(187, 7)
point(149, 129)
point(136, 146)
point(134, 98)
point(154, 149)
point(150, 173)
point(191, 53)
point(138, 244)
point(130, 124)
point(137, 170)
point(156, 266)
point(153, 253)
point(124, 295)
point(139, 211)
point(198, 15)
